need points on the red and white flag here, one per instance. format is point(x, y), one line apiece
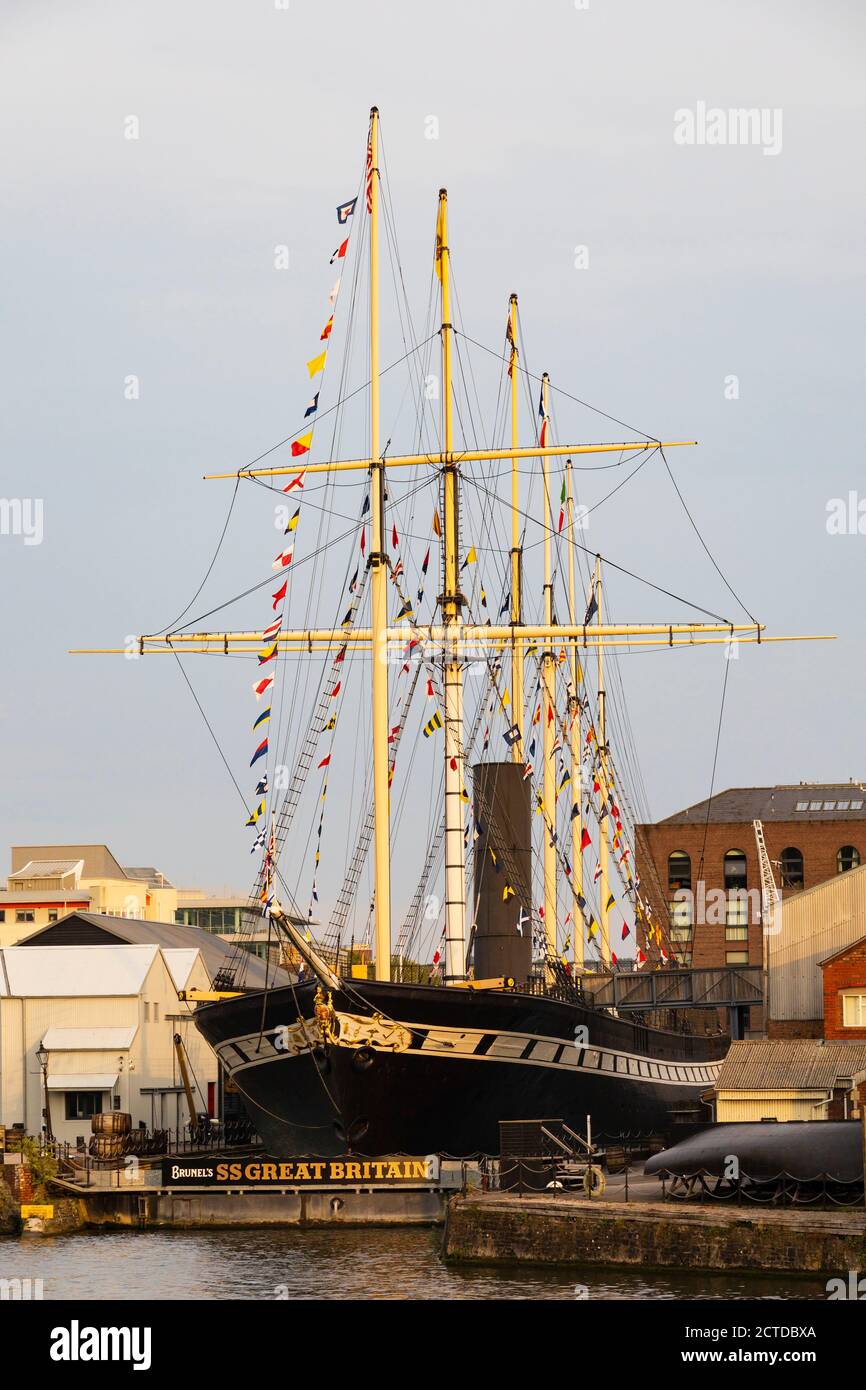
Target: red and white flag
point(263, 685)
point(283, 560)
point(369, 175)
point(297, 481)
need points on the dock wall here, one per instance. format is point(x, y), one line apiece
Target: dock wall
point(563, 1230)
point(207, 1207)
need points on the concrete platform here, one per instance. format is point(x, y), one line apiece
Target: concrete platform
point(561, 1229)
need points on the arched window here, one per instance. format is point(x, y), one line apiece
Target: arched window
point(847, 858)
point(735, 869)
point(737, 906)
point(792, 867)
point(679, 870)
point(679, 895)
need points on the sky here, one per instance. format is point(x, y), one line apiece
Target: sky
point(694, 290)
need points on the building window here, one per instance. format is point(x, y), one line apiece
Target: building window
point(680, 908)
point(737, 957)
point(82, 1105)
point(31, 916)
point(737, 906)
point(52, 916)
point(791, 866)
point(847, 858)
point(854, 1010)
point(2, 914)
point(679, 871)
point(737, 933)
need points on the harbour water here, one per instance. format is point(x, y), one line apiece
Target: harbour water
point(328, 1263)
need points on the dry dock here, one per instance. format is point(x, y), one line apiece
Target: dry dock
point(560, 1229)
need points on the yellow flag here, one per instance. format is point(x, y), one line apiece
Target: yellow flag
point(437, 524)
point(440, 239)
point(316, 364)
point(505, 699)
point(471, 557)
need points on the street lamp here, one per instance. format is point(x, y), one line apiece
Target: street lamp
point(42, 1059)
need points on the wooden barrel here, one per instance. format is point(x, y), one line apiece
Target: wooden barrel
point(107, 1145)
point(112, 1122)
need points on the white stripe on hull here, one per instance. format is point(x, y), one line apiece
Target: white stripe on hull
point(254, 1050)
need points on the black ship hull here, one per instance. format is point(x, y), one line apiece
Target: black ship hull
point(416, 1069)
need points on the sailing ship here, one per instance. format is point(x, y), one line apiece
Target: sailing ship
point(396, 1053)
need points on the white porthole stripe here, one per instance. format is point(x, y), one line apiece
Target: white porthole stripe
point(521, 1049)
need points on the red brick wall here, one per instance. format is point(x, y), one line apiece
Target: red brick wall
point(847, 971)
point(818, 842)
point(795, 1028)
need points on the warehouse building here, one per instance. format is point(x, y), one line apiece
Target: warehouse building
point(815, 927)
point(699, 867)
point(49, 881)
point(88, 1029)
point(791, 1080)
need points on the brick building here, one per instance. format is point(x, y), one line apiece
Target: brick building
point(845, 993)
point(700, 865)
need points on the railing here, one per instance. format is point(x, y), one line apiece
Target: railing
point(205, 1137)
point(782, 1190)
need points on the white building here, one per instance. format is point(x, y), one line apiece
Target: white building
point(106, 1016)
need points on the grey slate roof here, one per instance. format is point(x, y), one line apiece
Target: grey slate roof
point(780, 1064)
point(740, 804)
point(89, 928)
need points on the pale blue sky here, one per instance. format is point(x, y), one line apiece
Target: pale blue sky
point(155, 257)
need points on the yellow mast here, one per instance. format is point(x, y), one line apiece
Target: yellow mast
point(452, 603)
point(574, 739)
point(548, 683)
point(437, 460)
point(604, 880)
point(378, 600)
point(517, 655)
point(315, 639)
point(457, 638)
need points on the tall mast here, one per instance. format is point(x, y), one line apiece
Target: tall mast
point(574, 736)
point(548, 681)
point(602, 778)
point(452, 618)
point(378, 593)
point(517, 652)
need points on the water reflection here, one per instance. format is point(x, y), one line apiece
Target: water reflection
point(333, 1264)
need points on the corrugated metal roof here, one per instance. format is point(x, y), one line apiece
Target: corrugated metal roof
point(48, 868)
point(216, 953)
point(82, 1081)
point(99, 862)
point(75, 897)
point(782, 1065)
point(149, 875)
point(804, 801)
point(843, 950)
point(88, 1039)
point(180, 963)
point(74, 971)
